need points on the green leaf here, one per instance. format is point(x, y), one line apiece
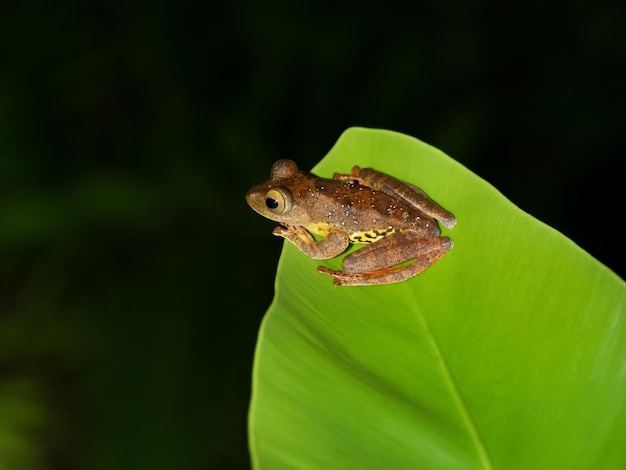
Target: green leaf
point(508, 353)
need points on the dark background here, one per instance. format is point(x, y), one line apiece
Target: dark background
point(133, 277)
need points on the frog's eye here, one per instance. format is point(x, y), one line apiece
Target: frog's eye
point(278, 200)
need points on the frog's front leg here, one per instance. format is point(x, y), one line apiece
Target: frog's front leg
point(401, 190)
point(379, 262)
point(330, 246)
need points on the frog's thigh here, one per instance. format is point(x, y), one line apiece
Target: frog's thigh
point(395, 249)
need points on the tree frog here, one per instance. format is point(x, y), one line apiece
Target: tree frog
point(396, 221)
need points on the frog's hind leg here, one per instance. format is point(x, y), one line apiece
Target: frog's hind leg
point(379, 263)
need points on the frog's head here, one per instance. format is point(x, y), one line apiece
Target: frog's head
point(275, 200)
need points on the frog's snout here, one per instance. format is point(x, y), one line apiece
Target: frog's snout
point(252, 198)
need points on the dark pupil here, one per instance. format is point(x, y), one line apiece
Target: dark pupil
point(271, 203)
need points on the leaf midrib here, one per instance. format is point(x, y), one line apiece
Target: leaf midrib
point(465, 416)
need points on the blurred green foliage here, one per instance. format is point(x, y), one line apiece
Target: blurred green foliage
point(133, 275)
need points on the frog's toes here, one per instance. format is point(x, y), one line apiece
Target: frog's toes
point(279, 231)
point(325, 270)
point(330, 272)
point(340, 278)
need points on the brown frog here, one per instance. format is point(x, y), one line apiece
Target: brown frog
point(395, 220)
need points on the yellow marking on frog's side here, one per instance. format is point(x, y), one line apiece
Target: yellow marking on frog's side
point(369, 236)
point(359, 237)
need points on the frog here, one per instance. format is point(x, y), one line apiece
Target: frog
point(395, 221)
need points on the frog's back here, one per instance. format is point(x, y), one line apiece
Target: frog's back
point(365, 214)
